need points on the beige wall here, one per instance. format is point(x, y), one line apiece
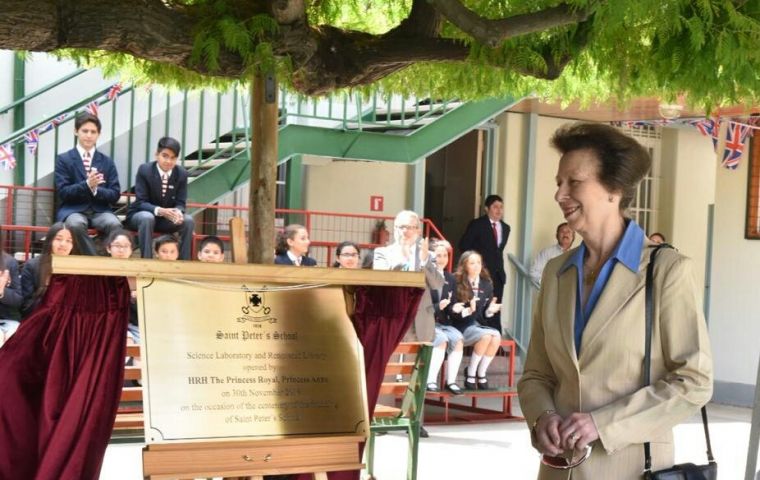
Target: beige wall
point(510, 154)
point(687, 188)
point(345, 186)
point(735, 285)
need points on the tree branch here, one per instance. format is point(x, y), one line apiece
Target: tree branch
point(147, 29)
point(323, 58)
point(493, 31)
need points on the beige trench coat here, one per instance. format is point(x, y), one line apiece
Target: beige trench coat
point(606, 381)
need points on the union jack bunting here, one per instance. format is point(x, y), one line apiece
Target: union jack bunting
point(32, 140)
point(114, 92)
point(59, 119)
point(7, 160)
point(53, 123)
point(736, 133)
point(708, 128)
point(92, 108)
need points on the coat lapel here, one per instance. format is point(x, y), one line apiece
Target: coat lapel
point(621, 286)
point(566, 310)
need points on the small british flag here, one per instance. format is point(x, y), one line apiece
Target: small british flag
point(92, 108)
point(32, 140)
point(736, 133)
point(59, 119)
point(113, 92)
point(708, 128)
point(7, 159)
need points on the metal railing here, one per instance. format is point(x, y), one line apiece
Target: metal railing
point(42, 90)
point(525, 289)
point(211, 126)
point(326, 229)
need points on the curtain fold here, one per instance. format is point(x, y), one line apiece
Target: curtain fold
point(61, 376)
point(381, 318)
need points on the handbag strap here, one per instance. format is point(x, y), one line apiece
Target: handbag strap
point(649, 314)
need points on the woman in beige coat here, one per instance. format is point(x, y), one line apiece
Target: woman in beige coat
point(583, 378)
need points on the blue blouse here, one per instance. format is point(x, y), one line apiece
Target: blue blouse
point(627, 252)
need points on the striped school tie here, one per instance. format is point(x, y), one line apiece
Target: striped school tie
point(86, 161)
point(164, 183)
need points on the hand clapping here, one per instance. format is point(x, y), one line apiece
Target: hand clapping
point(445, 302)
point(95, 178)
point(493, 307)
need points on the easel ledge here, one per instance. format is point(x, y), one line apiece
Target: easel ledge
point(262, 274)
point(253, 459)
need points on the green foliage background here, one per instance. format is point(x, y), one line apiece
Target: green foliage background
point(706, 49)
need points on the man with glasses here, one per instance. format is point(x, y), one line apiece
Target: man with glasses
point(409, 253)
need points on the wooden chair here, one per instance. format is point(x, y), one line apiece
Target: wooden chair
point(409, 418)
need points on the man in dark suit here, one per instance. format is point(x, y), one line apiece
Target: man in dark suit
point(160, 200)
point(488, 236)
point(87, 185)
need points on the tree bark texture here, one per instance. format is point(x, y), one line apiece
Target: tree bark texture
point(323, 57)
point(264, 112)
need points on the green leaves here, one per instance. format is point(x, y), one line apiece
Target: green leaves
point(706, 49)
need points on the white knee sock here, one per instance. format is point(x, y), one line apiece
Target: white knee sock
point(473, 366)
point(484, 363)
point(452, 366)
point(436, 360)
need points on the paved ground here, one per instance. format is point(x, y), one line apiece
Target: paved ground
point(453, 451)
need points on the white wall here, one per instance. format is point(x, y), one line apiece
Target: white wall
point(734, 304)
point(6, 97)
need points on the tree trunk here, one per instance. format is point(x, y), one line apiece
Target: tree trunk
point(264, 121)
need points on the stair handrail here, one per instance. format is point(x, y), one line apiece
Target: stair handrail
point(525, 287)
point(523, 270)
point(72, 108)
point(42, 90)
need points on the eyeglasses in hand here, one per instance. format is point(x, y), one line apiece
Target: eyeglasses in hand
point(570, 459)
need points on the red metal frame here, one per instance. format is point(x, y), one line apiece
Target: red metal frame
point(473, 412)
point(309, 215)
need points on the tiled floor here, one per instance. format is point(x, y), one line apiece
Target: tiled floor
point(452, 451)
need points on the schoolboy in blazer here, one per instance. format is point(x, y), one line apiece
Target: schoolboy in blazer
point(160, 203)
point(87, 184)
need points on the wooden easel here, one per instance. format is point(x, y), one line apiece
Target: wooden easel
point(252, 459)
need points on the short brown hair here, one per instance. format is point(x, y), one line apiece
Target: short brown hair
point(86, 117)
point(623, 162)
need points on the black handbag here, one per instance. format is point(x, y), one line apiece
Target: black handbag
point(683, 471)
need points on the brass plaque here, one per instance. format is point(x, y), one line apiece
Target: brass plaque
point(232, 361)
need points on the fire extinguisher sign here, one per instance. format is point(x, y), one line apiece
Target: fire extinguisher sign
point(376, 203)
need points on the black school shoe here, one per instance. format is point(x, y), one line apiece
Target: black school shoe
point(482, 383)
point(470, 383)
point(454, 389)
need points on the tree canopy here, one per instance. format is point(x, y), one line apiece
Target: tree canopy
point(576, 49)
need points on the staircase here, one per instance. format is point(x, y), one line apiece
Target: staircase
point(213, 129)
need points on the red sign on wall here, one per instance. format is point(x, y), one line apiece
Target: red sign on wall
point(376, 203)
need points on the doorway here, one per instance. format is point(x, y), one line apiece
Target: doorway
point(454, 185)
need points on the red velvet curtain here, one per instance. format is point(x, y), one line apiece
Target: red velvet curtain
point(382, 317)
point(60, 380)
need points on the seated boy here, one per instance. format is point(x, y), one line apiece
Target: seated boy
point(160, 200)
point(211, 250)
point(166, 247)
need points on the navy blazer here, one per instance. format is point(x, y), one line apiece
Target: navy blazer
point(30, 282)
point(440, 315)
point(479, 237)
point(74, 196)
point(484, 293)
point(284, 259)
point(148, 190)
point(12, 297)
